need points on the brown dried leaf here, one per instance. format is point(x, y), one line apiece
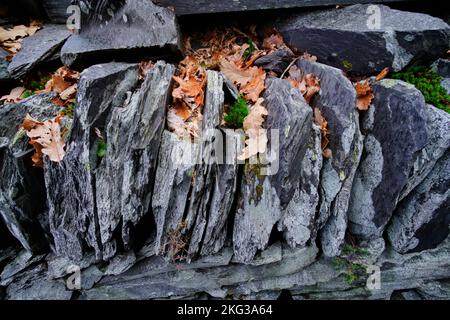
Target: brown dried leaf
point(364, 95)
point(256, 141)
point(309, 85)
point(14, 95)
point(69, 93)
point(382, 74)
point(46, 137)
point(144, 68)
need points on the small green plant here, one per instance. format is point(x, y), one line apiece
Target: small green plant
point(238, 112)
point(39, 84)
point(26, 94)
point(69, 110)
point(429, 83)
point(350, 261)
point(101, 149)
point(250, 49)
point(347, 65)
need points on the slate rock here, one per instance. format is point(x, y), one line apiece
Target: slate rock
point(22, 261)
point(276, 61)
point(57, 10)
point(396, 132)
point(121, 263)
point(109, 34)
point(22, 189)
point(34, 285)
point(268, 186)
point(4, 74)
point(421, 221)
point(112, 193)
point(350, 38)
point(38, 49)
point(336, 101)
point(442, 67)
point(298, 221)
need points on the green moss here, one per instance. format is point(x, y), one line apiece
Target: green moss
point(353, 250)
point(101, 149)
point(347, 65)
point(39, 84)
point(429, 83)
point(238, 112)
point(68, 110)
point(250, 50)
point(259, 191)
point(26, 94)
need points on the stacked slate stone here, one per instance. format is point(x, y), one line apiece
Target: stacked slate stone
point(244, 234)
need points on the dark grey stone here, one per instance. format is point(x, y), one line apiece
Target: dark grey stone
point(22, 189)
point(113, 193)
point(57, 10)
point(267, 188)
point(396, 133)
point(276, 61)
point(22, 261)
point(138, 27)
point(348, 39)
point(421, 221)
point(337, 103)
point(34, 285)
point(4, 74)
point(38, 49)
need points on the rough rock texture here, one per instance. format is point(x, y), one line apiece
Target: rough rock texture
point(351, 38)
point(139, 26)
point(4, 74)
point(422, 219)
point(269, 185)
point(442, 68)
point(22, 190)
point(403, 140)
point(276, 61)
point(38, 49)
point(57, 10)
point(336, 101)
point(133, 124)
point(298, 220)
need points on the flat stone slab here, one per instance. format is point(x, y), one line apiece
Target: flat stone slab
point(364, 39)
point(136, 29)
point(38, 49)
point(189, 7)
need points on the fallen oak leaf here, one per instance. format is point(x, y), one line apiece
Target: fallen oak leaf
point(364, 95)
point(382, 74)
point(322, 123)
point(14, 95)
point(46, 137)
point(69, 93)
point(256, 141)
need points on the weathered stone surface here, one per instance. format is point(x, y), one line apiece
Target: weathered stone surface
point(350, 38)
point(121, 263)
point(396, 134)
point(109, 34)
point(422, 219)
point(22, 190)
point(276, 61)
point(267, 188)
point(4, 74)
point(116, 189)
point(34, 285)
point(298, 220)
point(336, 101)
point(22, 261)
point(189, 7)
point(442, 68)
point(57, 10)
point(38, 49)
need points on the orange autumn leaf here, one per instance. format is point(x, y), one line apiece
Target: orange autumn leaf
point(322, 123)
point(14, 95)
point(309, 85)
point(256, 141)
point(46, 137)
point(364, 95)
point(382, 74)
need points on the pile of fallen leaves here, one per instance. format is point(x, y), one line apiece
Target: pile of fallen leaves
point(11, 38)
point(232, 52)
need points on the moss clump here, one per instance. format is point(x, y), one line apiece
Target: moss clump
point(429, 83)
point(238, 112)
point(26, 94)
point(68, 110)
point(101, 149)
point(250, 50)
point(259, 191)
point(347, 65)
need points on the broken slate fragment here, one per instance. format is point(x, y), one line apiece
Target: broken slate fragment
point(38, 49)
point(354, 39)
point(138, 27)
point(276, 61)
